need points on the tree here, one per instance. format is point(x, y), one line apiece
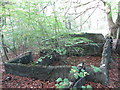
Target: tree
point(45, 19)
point(113, 26)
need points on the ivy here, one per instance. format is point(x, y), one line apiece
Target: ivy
point(62, 83)
point(75, 71)
point(61, 51)
point(59, 79)
point(40, 59)
point(86, 87)
point(96, 69)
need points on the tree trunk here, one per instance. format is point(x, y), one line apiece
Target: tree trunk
point(118, 31)
point(4, 47)
point(117, 49)
point(113, 27)
point(118, 21)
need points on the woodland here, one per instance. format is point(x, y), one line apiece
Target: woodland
point(60, 44)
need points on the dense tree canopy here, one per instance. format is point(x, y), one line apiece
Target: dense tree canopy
point(30, 23)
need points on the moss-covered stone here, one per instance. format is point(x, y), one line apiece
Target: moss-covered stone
point(38, 71)
point(96, 38)
point(90, 49)
point(24, 59)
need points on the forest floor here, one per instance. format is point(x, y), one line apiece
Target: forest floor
point(12, 81)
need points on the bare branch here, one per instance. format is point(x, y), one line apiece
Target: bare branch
point(102, 9)
point(103, 1)
point(89, 16)
point(85, 12)
point(68, 9)
point(85, 4)
point(44, 8)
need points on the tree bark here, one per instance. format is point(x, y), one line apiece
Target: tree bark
point(117, 44)
point(4, 47)
point(118, 17)
point(113, 27)
point(118, 21)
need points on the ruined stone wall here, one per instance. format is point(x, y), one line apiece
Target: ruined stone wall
point(38, 71)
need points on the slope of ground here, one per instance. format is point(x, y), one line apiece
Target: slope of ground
point(12, 81)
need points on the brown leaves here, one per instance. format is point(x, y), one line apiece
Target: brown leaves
point(12, 81)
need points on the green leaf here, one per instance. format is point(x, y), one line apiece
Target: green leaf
point(83, 87)
point(77, 70)
point(96, 69)
point(66, 80)
point(81, 74)
point(88, 74)
point(71, 71)
point(67, 84)
point(56, 85)
point(88, 86)
point(82, 70)
point(76, 76)
point(61, 83)
point(61, 86)
point(50, 56)
point(74, 67)
point(40, 60)
point(92, 66)
point(59, 79)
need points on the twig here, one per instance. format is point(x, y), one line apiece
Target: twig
point(44, 7)
point(89, 16)
point(68, 9)
point(85, 4)
point(84, 12)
